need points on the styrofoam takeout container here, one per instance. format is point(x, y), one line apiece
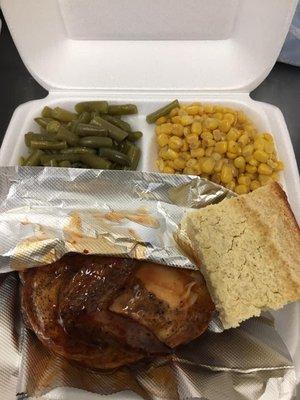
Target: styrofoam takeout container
point(195, 50)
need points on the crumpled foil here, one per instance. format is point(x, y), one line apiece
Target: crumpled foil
point(47, 212)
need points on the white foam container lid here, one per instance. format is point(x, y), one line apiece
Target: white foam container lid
point(195, 50)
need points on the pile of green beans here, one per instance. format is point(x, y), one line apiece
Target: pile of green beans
point(94, 136)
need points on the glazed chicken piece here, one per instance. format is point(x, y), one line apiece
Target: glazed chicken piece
point(106, 312)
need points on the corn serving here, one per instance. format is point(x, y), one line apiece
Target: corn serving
point(218, 143)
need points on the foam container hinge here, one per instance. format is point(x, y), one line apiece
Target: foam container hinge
point(210, 51)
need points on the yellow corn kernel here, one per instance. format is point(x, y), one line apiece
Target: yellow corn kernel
point(163, 153)
point(182, 112)
point(179, 164)
point(189, 171)
point(176, 119)
point(162, 140)
point(264, 179)
point(279, 166)
point(175, 143)
point(272, 164)
point(177, 130)
point(251, 169)
point(218, 115)
point(244, 139)
point(233, 134)
point(230, 117)
point(168, 170)
point(192, 110)
point(247, 150)
point(209, 151)
point(244, 180)
point(259, 143)
point(274, 176)
point(158, 130)
point(207, 165)
point(186, 131)
point(260, 156)
point(196, 127)
point(160, 164)
point(226, 174)
point(161, 120)
point(254, 185)
point(224, 125)
point(206, 135)
point(197, 153)
point(218, 166)
point(269, 147)
point(218, 135)
point(249, 128)
point(264, 169)
point(230, 185)
point(174, 112)
point(268, 137)
point(166, 128)
point(239, 163)
point(221, 147)
point(253, 162)
point(211, 123)
point(241, 117)
point(241, 189)
point(208, 142)
point(208, 108)
point(192, 138)
point(186, 120)
point(172, 154)
point(192, 162)
point(231, 156)
point(232, 146)
point(185, 145)
point(216, 156)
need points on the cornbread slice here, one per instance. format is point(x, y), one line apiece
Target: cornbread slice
point(248, 249)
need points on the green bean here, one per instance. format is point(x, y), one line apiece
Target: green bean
point(38, 136)
point(115, 156)
point(43, 121)
point(84, 117)
point(93, 161)
point(113, 131)
point(89, 130)
point(161, 112)
point(117, 122)
point(65, 134)
point(47, 112)
point(22, 161)
point(64, 164)
point(124, 146)
point(78, 150)
point(35, 158)
point(62, 115)
point(95, 142)
point(60, 157)
point(134, 136)
point(100, 106)
point(122, 109)
point(134, 154)
point(47, 145)
point(79, 164)
point(53, 126)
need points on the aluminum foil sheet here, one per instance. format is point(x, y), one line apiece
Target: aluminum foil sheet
point(47, 212)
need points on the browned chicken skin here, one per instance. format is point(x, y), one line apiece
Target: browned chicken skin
point(105, 312)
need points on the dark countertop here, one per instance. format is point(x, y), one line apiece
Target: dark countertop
point(281, 88)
